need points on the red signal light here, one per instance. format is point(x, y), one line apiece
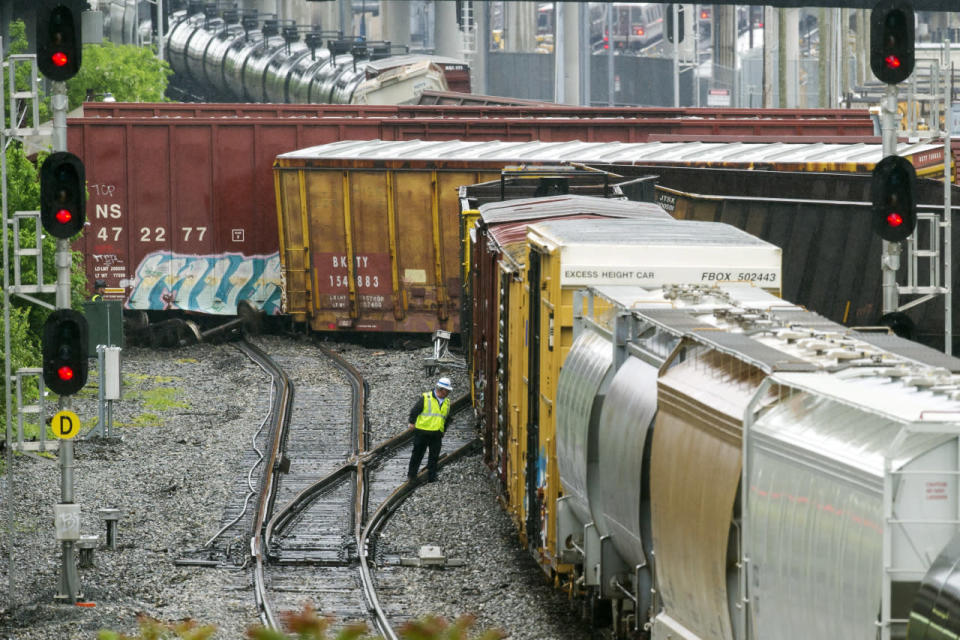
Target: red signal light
point(892, 62)
point(894, 219)
point(65, 373)
point(64, 216)
point(704, 15)
point(59, 59)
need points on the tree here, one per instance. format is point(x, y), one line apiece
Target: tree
point(128, 72)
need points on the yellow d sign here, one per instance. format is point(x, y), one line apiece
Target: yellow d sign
point(65, 424)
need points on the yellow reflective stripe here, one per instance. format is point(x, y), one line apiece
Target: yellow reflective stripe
point(434, 414)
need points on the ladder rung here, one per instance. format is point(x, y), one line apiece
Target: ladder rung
point(29, 370)
point(34, 445)
point(926, 253)
point(32, 288)
point(30, 408)
point(922, 290)
point(27, 252)
point(23, 95)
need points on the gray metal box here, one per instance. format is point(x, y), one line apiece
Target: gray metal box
point(105, 320)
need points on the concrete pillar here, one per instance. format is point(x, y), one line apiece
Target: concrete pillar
point(345, 14)
point(395, 18)
point(478, 66)
point(825, 29)
point(446, 31)
point(771, 31)
point(520, 26)
point(566, 53)
point(790, 58)
point(724, 34)
point(583, 10)
point(864, 73)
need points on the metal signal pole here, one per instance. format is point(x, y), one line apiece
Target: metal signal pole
point(890, 252)
point(69, 589)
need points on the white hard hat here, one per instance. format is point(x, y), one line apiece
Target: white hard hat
point(444, 383)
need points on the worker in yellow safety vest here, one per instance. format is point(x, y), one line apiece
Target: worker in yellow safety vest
point(98, 287)
point(428, 419)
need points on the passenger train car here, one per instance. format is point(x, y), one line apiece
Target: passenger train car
point(701, 459)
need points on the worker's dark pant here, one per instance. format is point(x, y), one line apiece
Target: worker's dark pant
point(421, 440)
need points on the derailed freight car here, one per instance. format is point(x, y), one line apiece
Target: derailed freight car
point(408, 185)
point(182, 208)
point(823, 222)
point(798, 439)
point(534, 332)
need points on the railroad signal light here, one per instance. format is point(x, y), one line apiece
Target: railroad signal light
point(892, 41)
point(892, 191)
point(59, 44)
point(63, 195)
point(65, 352)
point(669, 22)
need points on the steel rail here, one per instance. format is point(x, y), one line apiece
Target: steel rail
point(271, 522)
point(267, 523)
point(280, 418)
point(366, 541)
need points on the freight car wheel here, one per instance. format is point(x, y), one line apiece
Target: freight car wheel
point(251, 317)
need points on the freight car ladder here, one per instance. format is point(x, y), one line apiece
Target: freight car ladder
point(940, 481)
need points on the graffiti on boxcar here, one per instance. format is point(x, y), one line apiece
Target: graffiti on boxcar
point(209, 284)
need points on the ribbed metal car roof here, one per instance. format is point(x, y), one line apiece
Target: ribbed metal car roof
point(912, 351)
point(568, 205)
point(695, 153)
point(648, 232)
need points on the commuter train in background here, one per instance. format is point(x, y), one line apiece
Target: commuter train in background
point(232, 57)
point(693, 457)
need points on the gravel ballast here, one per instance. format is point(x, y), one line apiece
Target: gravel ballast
point(186, 418)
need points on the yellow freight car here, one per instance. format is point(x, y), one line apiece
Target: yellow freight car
point(497, 249)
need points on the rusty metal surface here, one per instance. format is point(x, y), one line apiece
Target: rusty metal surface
point(850, 121)
point(182, 196)
point(383, 247)
point(565, 206)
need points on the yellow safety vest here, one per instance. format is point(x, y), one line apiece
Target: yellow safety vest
point(434, 414)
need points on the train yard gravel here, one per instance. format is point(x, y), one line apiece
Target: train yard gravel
point(186, 418)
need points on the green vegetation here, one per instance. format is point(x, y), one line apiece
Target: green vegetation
point(151, 629)
point(144, 388)
point(306, 625)
point(143, 420)
point(128, 72)
point(164, 399)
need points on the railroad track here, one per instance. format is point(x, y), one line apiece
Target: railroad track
point(323, 494)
